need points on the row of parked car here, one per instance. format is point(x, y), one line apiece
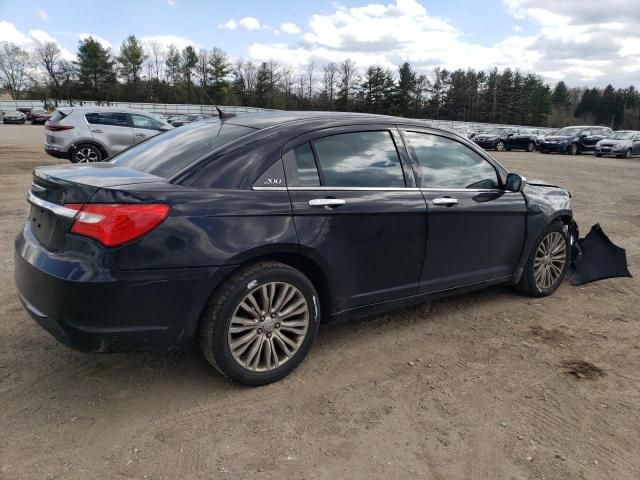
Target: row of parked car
point(24, 115)
point(571, 140)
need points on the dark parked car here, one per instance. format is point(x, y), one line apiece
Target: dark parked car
point(624, 143)
point(244, 234)
point(574, 140)
point(505, 138)
point(14, 117)
point(40, 116)
point(190, 119)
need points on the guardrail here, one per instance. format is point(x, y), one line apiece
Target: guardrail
point(179, 108)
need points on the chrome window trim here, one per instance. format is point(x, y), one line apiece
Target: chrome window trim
point(380, 189)
point(52, 207)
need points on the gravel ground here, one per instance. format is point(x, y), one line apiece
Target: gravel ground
point(488, 385)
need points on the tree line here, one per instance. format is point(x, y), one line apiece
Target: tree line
point(148, 72)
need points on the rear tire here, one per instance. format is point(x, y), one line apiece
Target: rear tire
point(628, 154)
point(222, 336)
point(547, 264)
point(86, 153)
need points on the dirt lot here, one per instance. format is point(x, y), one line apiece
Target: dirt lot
point(490, 385)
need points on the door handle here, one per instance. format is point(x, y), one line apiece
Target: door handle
point(445, 201)
point(140, 135)
point(327, 202)
point(97, 131)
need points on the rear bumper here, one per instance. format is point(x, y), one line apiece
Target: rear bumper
point(56, 152)
point(90, 308)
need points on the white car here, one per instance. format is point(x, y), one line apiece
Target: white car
point(92, 134)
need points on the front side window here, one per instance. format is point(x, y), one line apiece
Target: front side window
point(446, 163)
point(141, 121)
point(359, 159)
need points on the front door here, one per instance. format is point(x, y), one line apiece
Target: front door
point(144, 127)
point(476, 229)
point(358, 212)
point(112, 130)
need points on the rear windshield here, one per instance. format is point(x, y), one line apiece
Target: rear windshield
point(57, 116)
point(166, 154)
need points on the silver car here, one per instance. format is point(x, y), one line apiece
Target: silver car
point(623, 143)
point(92, 134)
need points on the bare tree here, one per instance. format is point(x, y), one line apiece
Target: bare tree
point(155, 53)
point(348, 72)
point(14, 63)
point(48, 56)
point(310, 80)
point(273, 71)
point(287, 81)
point(203, 68)
point(329, 80)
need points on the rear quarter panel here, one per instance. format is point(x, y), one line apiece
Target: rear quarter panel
point(207, 227)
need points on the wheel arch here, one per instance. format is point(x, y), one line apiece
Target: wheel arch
point(101, 147)
point(303, 263)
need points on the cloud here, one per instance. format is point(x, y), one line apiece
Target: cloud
point(166, 40)
point(105, 43)
point(229, 25)
point(582, 41)
point(44, 16)
point(389, 34)
point(172, 3)
point(289, 27)
point(517, 28)
point(28, 41)
point(250, 23)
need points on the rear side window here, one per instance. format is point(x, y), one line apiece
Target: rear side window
point(446, 163)
point(359, 159)
point(108, 118)
point(307, 170)
point(167, 154)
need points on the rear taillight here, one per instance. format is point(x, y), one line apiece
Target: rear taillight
point(56, 127)
point(113, 224)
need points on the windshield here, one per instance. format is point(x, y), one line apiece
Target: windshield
point(622, 135)
point(166, 154)
point(498, 131)
point(568, 131)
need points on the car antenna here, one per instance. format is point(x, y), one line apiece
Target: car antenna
point(222, 115)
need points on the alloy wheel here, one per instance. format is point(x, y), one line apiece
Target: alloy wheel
point(531, 147)
point(628, 154)
point(550, 260)
point(574, 149)
point(268, 327)
point(86, 155)
point(500, 146)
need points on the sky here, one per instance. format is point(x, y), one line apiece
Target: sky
point(583, 42)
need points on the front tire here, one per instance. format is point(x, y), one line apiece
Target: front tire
point(628, 153)
point(260, 324)
point(86, 153)
point(500, 146)
point(573, 149)
point(531, 147)
point(547, 264)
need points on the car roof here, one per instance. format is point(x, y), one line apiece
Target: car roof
point(105, 109)
point(268, 119)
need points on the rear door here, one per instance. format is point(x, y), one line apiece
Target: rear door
point(476, 229)
point(144, 127)
point(358, 212)
point(111, 129)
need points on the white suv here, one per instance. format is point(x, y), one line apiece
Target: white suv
point(92, 134)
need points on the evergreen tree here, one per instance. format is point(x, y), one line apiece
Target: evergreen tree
point(95, 68)
point(131, 59)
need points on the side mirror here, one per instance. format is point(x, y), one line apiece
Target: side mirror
point(511, 135)
point(165, 128)
point(515, 183)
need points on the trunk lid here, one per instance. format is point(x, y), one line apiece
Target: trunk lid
point(53, 187)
